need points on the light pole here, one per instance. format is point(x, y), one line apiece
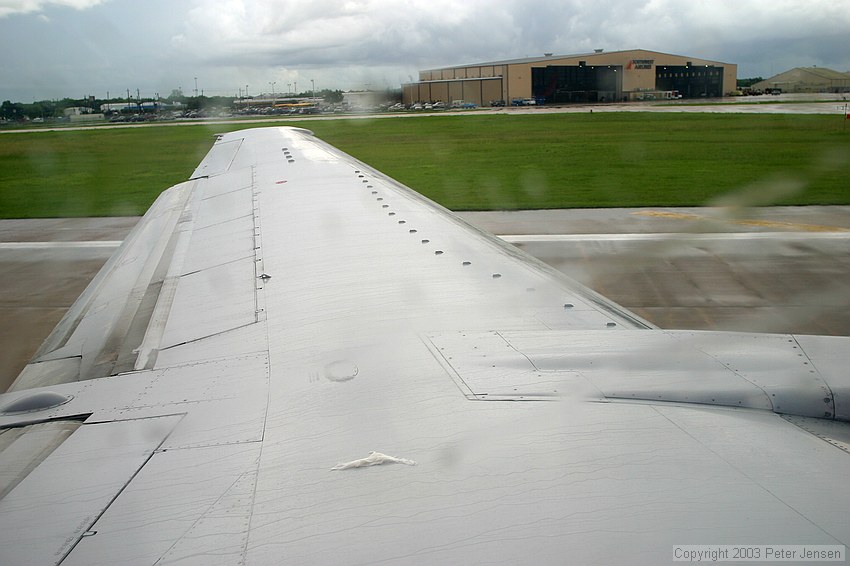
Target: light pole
point(196, 87)
point(288, 89)
point(313, 83)
point(272, 83)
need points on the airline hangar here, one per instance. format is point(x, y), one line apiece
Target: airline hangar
point(600, 76)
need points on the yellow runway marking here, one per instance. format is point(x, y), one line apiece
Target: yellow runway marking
point(758, 223)
point(663, 214)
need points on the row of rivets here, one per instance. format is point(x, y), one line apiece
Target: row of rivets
point(380, 199)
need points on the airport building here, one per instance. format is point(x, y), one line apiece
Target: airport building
point(601, 76)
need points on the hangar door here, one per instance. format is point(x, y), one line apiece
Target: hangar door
point(691, 81)
point(577, 83)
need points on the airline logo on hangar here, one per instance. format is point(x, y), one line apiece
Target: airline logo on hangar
point(640, 64)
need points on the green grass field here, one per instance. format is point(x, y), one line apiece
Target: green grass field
point(467, 162)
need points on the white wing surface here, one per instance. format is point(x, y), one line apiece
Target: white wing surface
point(295, 359)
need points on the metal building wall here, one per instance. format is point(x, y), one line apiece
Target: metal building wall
point(639, 71)
point(439, 92)
point(491, 90)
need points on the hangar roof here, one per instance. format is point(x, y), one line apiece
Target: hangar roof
point(555, 57)
point(806, 77)
point(802, 73)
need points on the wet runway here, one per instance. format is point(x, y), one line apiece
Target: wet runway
point(44, 266)
point(783, 269)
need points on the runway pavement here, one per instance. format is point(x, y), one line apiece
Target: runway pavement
point(783, 269)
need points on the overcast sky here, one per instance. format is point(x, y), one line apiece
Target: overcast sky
point(56, 48)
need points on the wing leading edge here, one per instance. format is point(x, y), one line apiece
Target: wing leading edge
point(289, 309)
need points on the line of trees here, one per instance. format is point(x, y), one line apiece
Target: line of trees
point(16, 111)
point(50, 109)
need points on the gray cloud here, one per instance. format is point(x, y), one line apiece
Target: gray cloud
point(10, 7)
point(87, 46)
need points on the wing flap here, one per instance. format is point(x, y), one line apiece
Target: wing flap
point(218, 159)
point(218, 244)
point(203, 500)
point(187, 271)
point(109, 320)
point(76, 483)
point(224, 207)
point(210, 302)
point(23, 448)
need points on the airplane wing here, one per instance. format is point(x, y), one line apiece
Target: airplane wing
point(295, 359)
